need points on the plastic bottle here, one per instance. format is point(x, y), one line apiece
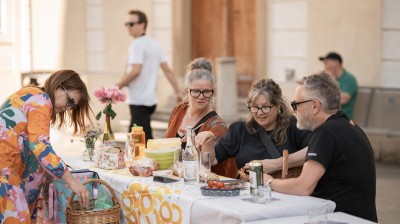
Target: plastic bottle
point(190, 159)
point(138, 140)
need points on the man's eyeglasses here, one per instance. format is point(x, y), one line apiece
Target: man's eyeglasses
point(131, 24)
point(206, 93)
point(70, 103)
point(264, 109)
point(294, 104)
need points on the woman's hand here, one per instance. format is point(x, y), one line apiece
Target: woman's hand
point(78, 188)
point(266, 178)
point(205, 142)
point(203, 138)
point(269, 165)
point(182, 132)
point(81, 191)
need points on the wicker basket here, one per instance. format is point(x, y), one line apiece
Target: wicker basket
point(286, 172)
point(77, 215)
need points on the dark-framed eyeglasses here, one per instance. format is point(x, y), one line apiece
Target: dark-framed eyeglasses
point(294, 104)
point(70, 102)
point(206, 93)
point(264, 109)
point(131, 24)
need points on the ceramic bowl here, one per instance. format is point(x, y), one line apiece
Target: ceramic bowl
point(164, 156)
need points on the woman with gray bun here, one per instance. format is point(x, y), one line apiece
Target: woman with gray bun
point(196, 110)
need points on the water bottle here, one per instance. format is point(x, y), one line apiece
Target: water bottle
point(190, 159)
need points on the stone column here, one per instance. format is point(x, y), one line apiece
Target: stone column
point(226, 95)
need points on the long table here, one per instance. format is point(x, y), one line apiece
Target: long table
point(334, 218)
point(145, 201)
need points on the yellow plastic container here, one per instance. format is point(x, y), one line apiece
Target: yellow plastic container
point(138, 140)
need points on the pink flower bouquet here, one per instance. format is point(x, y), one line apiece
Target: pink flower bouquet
point(108, 97)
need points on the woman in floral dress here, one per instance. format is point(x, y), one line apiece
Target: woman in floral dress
point(25, 149)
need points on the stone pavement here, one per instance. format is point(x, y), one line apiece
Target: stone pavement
point(388, 193)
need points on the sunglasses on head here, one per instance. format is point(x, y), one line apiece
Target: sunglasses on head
point(131, 24)
point(70, 103)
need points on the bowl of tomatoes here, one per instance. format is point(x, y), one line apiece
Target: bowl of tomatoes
point(220, 189)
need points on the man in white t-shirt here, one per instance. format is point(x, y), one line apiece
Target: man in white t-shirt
point(145, 57)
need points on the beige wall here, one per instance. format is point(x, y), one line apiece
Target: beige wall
point(391, 43)
point(106, 51)
point(10, 50)
point(89, 37)
point(73, 54)
point(352, 28)
point(84, 35)
point(182, 36)
point(108, 41)
point(311, 28)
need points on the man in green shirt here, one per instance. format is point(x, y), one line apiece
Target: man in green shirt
point(347, 81)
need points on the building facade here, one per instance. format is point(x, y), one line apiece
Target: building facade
point(279, 39)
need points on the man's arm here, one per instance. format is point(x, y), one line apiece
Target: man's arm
point(295, 159)
point(344, 98)
point(171, 78)
point(134, 71)
point(302, 185)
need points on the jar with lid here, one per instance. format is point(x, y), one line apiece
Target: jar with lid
point(138, 142)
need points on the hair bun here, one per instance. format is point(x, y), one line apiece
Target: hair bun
point(200, 63)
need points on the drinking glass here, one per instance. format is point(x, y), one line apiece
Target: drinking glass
point(178, 162)
point(129, 150)
point(264, 194)
point(205, 162)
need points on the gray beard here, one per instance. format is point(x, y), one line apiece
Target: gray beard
point(306, 123)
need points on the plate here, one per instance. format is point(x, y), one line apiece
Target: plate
point(220, 192)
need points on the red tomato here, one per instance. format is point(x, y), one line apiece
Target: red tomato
point(220, 184)
point(210, 184)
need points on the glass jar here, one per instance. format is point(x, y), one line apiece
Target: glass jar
point(89, 149)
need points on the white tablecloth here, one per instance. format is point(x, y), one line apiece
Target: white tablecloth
point(185, 203)
point(145, 201)
point(333, 218)
point(240, 209)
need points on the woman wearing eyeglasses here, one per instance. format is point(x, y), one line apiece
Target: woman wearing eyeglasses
point(196, 110)
point(268, 113)
point(25, 149)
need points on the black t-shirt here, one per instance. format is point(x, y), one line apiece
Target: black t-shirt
point(347, 156)
point(239, 143)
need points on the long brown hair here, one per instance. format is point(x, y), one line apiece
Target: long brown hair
point(270, 89)
point(77, 117)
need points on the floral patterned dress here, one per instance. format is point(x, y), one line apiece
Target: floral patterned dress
point(25, 153)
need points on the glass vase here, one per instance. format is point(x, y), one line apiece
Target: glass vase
point(108, 134)
point(88, 152)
